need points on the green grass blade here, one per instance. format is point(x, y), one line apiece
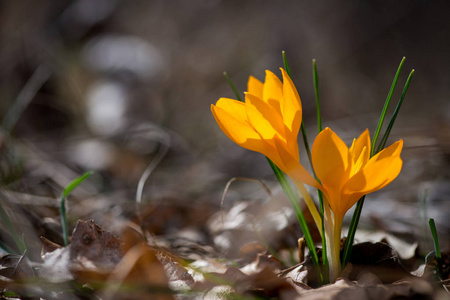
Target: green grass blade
point(394, 115)
point(232, 86)
point(319, 193)
point(316, 93)
point(386, 105)
point(26, 95)
point(286, 66)
point(6, 220)
point(437, 250)
point(306, 144)
point(302, 127)
point(435, 239)
point(299, 213)
point(74, 183)
point(67, 190)
point(351, 232)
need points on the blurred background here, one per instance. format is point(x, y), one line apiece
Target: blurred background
point(108, 85)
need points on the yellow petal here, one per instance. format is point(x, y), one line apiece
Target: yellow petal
point(237, 129)
point(331, 159)
point(273, 91)
point(263, 117)
point(255, 87)
point(289, 159)
point(290, 105)
point(381, 170)
point(242, 133)
point(291, 165)
point(357, 148)
point(300, 173)
point(233, 107)
point(359, 163)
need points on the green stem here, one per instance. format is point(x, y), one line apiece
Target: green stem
point(332, 234)
point(337, 246)
point(65, 231)
point(300, 217)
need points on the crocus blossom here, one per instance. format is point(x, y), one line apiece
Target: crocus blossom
point(268, 122)
point(347, 174)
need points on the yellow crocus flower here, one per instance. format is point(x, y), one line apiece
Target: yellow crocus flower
point(268, 122)
point(347, 174)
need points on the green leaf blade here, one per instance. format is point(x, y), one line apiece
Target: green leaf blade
point(67, 190)
point(385, 107)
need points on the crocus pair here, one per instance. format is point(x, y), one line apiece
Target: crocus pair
point(268, 122)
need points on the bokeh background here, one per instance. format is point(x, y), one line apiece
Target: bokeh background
point(108, 85)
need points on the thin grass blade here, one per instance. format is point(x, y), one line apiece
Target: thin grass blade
point(394, 115)
point(437, 250)
point(232, 86)
point(386, 105)
point(351, 232)
point(435, 238)
point(299, 213)
point(286, 66)
point(6, 220)
point(319, 193)
point(67, 190)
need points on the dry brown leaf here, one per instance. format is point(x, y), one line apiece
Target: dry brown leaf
point(139, 275)
point(48, 246)
point(92, 253)
point(90, 242)
point(178, 277)
point(376, 258)
point(264, 283)
point(15, 267)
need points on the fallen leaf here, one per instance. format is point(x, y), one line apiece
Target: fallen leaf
point(90, 242)
point(376, 258)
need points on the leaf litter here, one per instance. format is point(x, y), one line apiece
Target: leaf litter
point(132, 266)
